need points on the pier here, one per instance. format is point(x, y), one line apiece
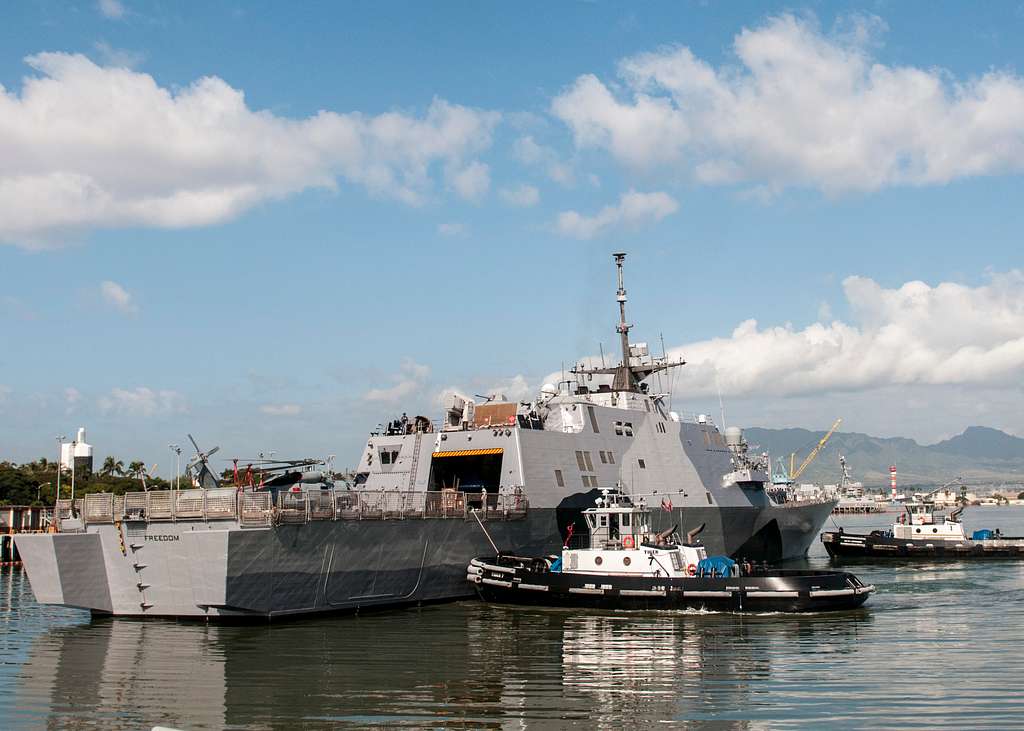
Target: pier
point(15, 519)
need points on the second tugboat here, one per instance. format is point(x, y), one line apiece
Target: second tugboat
point(921, 534)
point(621, 564)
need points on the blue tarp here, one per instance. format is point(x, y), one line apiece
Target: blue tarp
point(556, 566)
point(716, 566)
point(981, 535)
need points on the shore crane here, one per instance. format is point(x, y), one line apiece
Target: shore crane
point(794, 474)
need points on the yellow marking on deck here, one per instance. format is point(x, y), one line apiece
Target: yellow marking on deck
point(469, 452)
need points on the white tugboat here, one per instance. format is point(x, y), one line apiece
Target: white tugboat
point(618, 562)
point(921, 533)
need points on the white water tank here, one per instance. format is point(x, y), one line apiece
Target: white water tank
point(79, 451)
point(702, 418)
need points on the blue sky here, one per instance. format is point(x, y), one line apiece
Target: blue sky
point(276, 226)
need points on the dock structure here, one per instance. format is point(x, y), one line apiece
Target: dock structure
point(15, 519)
point(855, 508)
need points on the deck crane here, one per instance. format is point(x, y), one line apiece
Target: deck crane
point(794, 474)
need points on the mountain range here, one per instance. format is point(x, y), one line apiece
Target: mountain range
point(980, 455)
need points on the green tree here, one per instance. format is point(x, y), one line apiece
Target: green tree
point(136, 468)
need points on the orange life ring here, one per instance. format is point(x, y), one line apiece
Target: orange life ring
point(692, 569)
point(627, 542)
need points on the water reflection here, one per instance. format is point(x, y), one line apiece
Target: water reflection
point(484, 665)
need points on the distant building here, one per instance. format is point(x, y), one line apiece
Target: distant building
point(78, 452)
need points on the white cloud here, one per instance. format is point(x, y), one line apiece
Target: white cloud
point(281, 409)
point(113, 9)
point(71, 397)
point(633, 210)
point(949, 334)
point(473, 181)
point(87, 147)
point(451, 229)
point(801, 108)
point(522, 196)
point(117, 296)
point(118, 56)
point(142, 401)
point(529, 152)
point(410, 380)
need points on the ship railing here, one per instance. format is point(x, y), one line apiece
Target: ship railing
point(99, 508)
point(253, 508)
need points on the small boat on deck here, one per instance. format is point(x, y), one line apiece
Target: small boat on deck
point(619, 563)
point(920, 533)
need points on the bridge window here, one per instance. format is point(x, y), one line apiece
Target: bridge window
point(580, 461)
point(590, 464)
point(558, 478)
point(604, 460)
point(643, 465)
point(593, 420)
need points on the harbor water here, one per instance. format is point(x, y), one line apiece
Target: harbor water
point(938, 646)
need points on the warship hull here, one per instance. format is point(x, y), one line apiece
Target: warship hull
point(220, 569)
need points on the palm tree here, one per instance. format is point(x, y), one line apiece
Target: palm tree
point(136, 468)
point(119, 467)
point(110, 466)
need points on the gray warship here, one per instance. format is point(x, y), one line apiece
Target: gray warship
point(425, 499)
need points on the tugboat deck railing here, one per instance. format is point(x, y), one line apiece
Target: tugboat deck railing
point(254, 509)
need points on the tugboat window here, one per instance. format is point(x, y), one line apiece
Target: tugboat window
point(626, 561)
point(625, 519)
point(599, 560)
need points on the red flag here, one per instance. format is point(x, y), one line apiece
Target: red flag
point(666, 504)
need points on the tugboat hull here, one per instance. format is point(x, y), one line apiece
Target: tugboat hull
point(879, 544)
point(513, 580)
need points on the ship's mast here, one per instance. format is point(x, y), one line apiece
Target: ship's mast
point(627, 375)
point(624, 380)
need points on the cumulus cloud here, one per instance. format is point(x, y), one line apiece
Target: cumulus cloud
point(916, 334)
point(281, 409)
point(113, 9)
point(800, 108)
point(118, 297)
point(529, 152)
point(408, 381)
point(633, 210)
point(142, 401)
point(118, 56)
point(522, 196)
point(473, 181)
point(86, 146)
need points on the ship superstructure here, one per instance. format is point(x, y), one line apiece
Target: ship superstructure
point(405, 529)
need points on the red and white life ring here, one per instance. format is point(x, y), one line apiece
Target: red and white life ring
point(627, 542)
point(692, 569)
